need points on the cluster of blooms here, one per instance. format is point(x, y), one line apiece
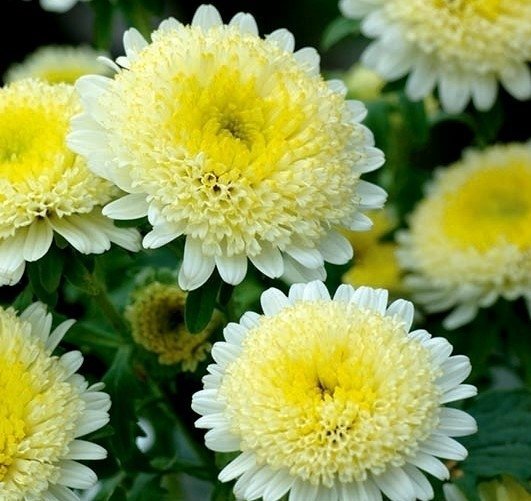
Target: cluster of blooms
point(250, 156)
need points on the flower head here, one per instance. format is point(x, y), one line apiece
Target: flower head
point(44, 187)
point(45, 408)
point(469, 240)
point(157, 323)
point(58, 64)
point(245, 150)
point(464, 46)
point(333, 398)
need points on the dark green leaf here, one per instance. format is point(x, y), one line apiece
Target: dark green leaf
point(103, 21)
point(337, 30)
point(35, 279)
point(223, 492)
point(414, 114)
point(200, 304)
point(503, 442)
point(78, 272)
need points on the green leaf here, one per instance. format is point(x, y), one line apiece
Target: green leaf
point(200, 304)
point(337, 30)
point(503, 442)
point(39, 289)
point(24, 299)
point(146, 487)
point(378, 121)
point(123, 386)
point(414, 114)
point(111, 489)
point(223, 492)
point(88, 335)
point(103, 21)
point(78, 272)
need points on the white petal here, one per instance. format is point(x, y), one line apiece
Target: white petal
point(484, 91)
point(283, 38)
point(214, 420)
point(261, 479)
point(232, 269)
point(169, 24)
point(315, 290)
point(455, 370)
point(395, 484)
point(160, 235)
point(245, 22)
point(459, 393)
point(423, 488)
point(11, 252)
point(443, 447)
point(196, 268)
point(309, 258)
point(337, 85)
point(452, 493)
point(224, 353)
point(206, 17)
point(335, 248)
point(431, 465)
point(454, 92)
point(234, 333)
point(62, 493)
point(76, 475)
point(456, 423)
point(90, 421)
point(422, 79)
point(58, 333)
point(132, 206)
point(371, 195)
point(460, 316)
point(404, 310)
point(269, 261)
point(309, 58)
point(39, 318)
point(374, 299)
point(344, 293)
point(278, 486)
point(133, 42)
point(11, 277)
point(205, 402)
point(250, 319)
point(357, 110)
point(360, 222)
point(71, 362)
point(222, 440)
point(303, 491)
point(244, 462)
point(517, 80)
point(38, 240)
point(78, 237)
point(295, 272)
point(81, 449)
point(272, 301)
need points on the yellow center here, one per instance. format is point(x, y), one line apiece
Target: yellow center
point(157, 323)
point(38, 414)
point(63, 75)
point(241, 144)
point(30, 140)
point(492, 207)
point(330, 392)
point(486, 8)
point(39, 175)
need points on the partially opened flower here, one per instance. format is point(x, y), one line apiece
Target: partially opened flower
point(157, 322)
point(45, 407)
point(469, 240)
point(333, 399)
point(233, 141)
point(58, 64)
point(463, 46)
point(44, 187)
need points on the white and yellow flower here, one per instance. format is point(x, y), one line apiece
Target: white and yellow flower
point(58, 64)
point(333, 399)
point(463, 46)
point(44, 187)
point(469, 241)
point(46, 407)
point(233, 141)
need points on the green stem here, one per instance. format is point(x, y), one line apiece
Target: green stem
point(104, 303)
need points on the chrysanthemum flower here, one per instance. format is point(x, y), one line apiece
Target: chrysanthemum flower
point(469, 240)
point(157, 323)
point(45, 408)
point(463, 46)
point(44, 187)
point(375, 263)
point(58, 64)
point(333, 399)
point(233, 141)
